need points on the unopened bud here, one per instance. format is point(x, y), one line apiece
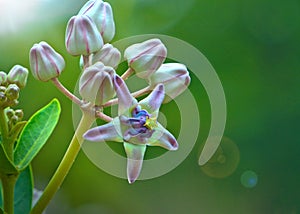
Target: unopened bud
point(108, 55)
point(14, 119)
point(82, 36)
point(96, 84)
point(18, 75)
point(174, 76)
point(101, 13)
point(19, 113)
point(45, 62)
point(2, 88)
point(2, 97)
point(3, 78)
point(9, 113)
point(12, 92)
point(146, 57)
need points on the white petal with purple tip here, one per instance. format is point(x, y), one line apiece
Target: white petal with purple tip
point(107, 132)
point(125, 99)
point(154, 99)
point(135, 156)
point(163, 138)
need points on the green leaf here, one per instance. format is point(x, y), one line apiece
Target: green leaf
point(6, 166)
point(35, 134)
point(14, 133)
point(23, 193)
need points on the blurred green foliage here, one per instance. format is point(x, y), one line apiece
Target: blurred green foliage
point(253, 46)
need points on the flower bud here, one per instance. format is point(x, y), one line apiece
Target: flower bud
point(96, 84)
point(3, 78)
point(12, 92)
point(174, 76)
point(101, 13)
point(18, 75)
point(2, 98)
point(146, 57)
point(9, 112)
point(45, 62)
point(2, 88)
point(108, 55)
point(19, 113)
point(82, 36)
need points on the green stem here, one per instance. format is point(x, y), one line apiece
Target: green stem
point(65, 165)
point(8, 188)
point(4, 133)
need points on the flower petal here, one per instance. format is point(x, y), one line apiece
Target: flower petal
point(124, 96)
point(107, 132)
point(135, 156)
point(163, 138)
point(154, 99)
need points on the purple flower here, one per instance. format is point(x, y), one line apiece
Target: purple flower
point(136, 126)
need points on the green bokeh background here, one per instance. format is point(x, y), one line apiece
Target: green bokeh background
point(254, 48)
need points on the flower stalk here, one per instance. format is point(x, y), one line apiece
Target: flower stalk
point(66, 92)
point(65, 165)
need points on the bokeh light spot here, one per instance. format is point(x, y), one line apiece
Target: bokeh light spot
point(224, 161)
point(249, 179)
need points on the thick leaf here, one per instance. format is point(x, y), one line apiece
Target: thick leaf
point(23, 193)
point(35, 134)
point(14, 133)
point(6, 166)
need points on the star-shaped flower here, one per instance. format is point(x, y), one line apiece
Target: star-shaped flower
point(136, 126)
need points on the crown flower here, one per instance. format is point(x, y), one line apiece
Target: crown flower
point(45, 62)
point(146, 57)
point(174, 76)
point(101, 13)
point(82, 36)
point(136, 126)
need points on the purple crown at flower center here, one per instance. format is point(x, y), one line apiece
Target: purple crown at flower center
point(141, 124)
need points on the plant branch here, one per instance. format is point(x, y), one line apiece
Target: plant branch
point(136, 94)
point(103, 116)
point(127, 73)
point(65, 165)
point(66, 92)
point(8, 188)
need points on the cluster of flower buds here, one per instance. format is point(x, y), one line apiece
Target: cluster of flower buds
point(13, 116)
point(10, 85)
point(90, 29)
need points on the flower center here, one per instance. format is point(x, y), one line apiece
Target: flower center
point(140, 125)
point(144, 118)
point(150, 123)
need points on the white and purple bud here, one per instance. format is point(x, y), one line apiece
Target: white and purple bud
point(82, 36)
point(45, 62)
point(174, 76)
point(18, 75)
point(146, 57)
point(96, 84)
point(101, 13)
point(3, 78)
point(108, 55)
